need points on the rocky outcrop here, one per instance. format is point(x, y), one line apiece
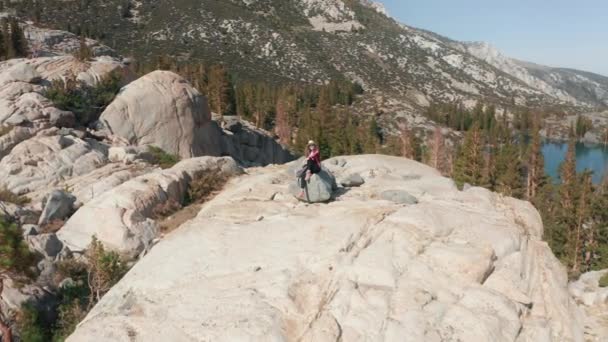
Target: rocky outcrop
point(23, 83)
point(58, 205)
point(164, 110)
point(47, 159)
point(250, 145)
point(127, 210)
point(14, 136)
point(593, 298)
point(256, 264)
point(47, 42)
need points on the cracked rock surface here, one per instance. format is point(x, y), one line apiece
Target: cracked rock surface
point(456, 266)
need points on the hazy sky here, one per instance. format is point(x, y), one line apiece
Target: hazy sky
point(564, 33)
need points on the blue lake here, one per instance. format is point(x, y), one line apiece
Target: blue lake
point(594, 158)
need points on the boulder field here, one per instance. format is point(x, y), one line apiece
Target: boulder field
point(256, 264)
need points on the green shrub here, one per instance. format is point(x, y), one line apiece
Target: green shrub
point(604, 280)
point(15, 255)
point(85, 101)
point(91, 281)
point(161, 158)
point(30, 326)
point(10, 197)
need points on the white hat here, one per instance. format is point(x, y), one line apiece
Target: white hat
point(311, 142)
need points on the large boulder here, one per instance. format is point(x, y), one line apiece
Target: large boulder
point(352, 181)
point(318, 189)
point(122, 218)
point(164, 110)
point(257, 265)
point(48, 245)
point(20, 72)
point(57, 206)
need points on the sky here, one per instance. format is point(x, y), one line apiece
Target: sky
point(559, 33)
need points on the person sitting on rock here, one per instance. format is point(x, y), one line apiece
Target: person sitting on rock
point(313, 165)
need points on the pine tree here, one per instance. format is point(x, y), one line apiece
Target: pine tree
point(596, 246)
point(282, 121)
point(3, 50)
point(18, 40)
point(126, 9)
point(470, 162)
point(565, 230)
point(9, 47)
point(374, 137)
point(581, 236)
point(84, 52)
point(536, 163)
point(568, 177)
point(221, 94)
point(405, 137)
point(437, 151)
point(15, 256)
point(508, 172)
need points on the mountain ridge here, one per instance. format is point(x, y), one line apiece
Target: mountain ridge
point(313, 41)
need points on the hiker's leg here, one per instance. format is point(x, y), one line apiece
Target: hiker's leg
point(308, 175)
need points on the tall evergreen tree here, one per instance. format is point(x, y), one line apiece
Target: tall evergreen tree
point(84, 52)
point(436, 151)
point(470, 162)
point(9, 47)
point(508, 172)
point(18, 40)
point(536, 163)
point(221, 94)
point(374, 137)
point(285, 107)
point(568, 177)
point(583, 213)
point(405, 137)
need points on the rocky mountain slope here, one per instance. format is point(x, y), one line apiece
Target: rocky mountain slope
point(314, 40)
point(427, 263)
point(396, 251)
point(568, 85)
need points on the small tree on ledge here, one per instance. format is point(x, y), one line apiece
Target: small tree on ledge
point(84, 52)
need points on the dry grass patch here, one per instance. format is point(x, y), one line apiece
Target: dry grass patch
point(52, 227)
point(204, 186)
point(9, 197)
point(5, 130)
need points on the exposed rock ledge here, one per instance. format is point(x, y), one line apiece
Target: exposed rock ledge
point(257, 265)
